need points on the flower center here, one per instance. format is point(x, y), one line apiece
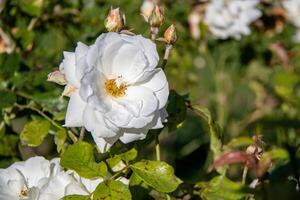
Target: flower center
point(24, 192)
point(114, 88)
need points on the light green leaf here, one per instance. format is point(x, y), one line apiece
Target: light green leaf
point(239, 142)
point(76, 197)
point(32, 7)
point(222, 188)
point(215, 133)
point(80, 158)
point(59, 139)
point(112, 190)
point(129, 155)
point(157, 174)
point(34, 132)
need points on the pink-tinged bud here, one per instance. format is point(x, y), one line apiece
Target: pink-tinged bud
point(170, 35)
point(156, 18)
point(146, 9)
point(194, 22)
point(57, 77)
point(69, 90)
point(115, 21)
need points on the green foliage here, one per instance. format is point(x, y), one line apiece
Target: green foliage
point(59, 139)
point(112, 190)
point(6, 99)
point(34, 132)
point(80, 158)
point(157, 174)
point(176, 110)
point(222, 188)
point(76, 197)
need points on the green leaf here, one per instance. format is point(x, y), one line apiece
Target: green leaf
point(222, 188)
point(138, 188)
point(238, 142)
point(7, 99)
point(80, 158)
point(32, 7)
point(76, 197)
point(112, 190)
point(129, 155)
point(34, 132)
point(157, 174)
point(176, 110)
point(215, 133)
point(59, 139)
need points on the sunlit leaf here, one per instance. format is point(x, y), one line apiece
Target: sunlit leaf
point(112, 190)
point(34, 132)
point(157, 174)
point(80, 158)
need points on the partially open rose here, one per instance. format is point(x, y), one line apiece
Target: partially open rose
point(116, 91)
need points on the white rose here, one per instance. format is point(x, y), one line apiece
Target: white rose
point(24, 180)
point(116, 91)
point(231, 18)
point(293, 10)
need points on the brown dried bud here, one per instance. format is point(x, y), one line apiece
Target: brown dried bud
point(115, 21)
point(156, 18)
point(170, 35)
point(57, 77)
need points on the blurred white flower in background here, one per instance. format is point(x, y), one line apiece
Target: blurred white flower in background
point(231, 18)
point(116, 91)
point(293, 11)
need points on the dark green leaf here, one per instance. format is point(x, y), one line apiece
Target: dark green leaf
point(222, 188)
point(176, 110)
point(32, 7)
point(7, 99)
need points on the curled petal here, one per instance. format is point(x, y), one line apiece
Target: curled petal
point(75, 110)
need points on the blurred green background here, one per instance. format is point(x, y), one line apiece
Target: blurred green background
point(247, 84)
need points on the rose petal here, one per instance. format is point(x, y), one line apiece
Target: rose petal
point(68, 67)
point(75, 110)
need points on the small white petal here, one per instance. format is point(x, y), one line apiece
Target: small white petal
point(128, 137)
point(162, 96)
point(104, 144)
point(75, 110)
point(68, 67)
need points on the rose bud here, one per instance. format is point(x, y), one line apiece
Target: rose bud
point(156, 18)
point(57, 77)
point(146, 9)
point(114, 22)
point(170, 35)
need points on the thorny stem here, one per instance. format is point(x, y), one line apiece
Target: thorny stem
point(82, 131)
point(154, 31)
point(157, 147)
point(39, 112)
point(166, 56)
point(72, 136)
point(116, 175)
point(245, 171)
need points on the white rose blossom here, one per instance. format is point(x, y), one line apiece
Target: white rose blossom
point(231, 18)
point(40, 179)
point(293, 10)
point(116, 91)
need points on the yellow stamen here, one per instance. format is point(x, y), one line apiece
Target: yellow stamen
point(112, 89)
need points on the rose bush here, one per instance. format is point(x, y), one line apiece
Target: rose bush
point(116, 91)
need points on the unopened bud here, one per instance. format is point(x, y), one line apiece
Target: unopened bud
point(57, 77)
point(156, 18)
point(146, 9)
point(170, 35)
point(114, 22)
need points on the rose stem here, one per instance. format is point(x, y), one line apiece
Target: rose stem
point(82, 131)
